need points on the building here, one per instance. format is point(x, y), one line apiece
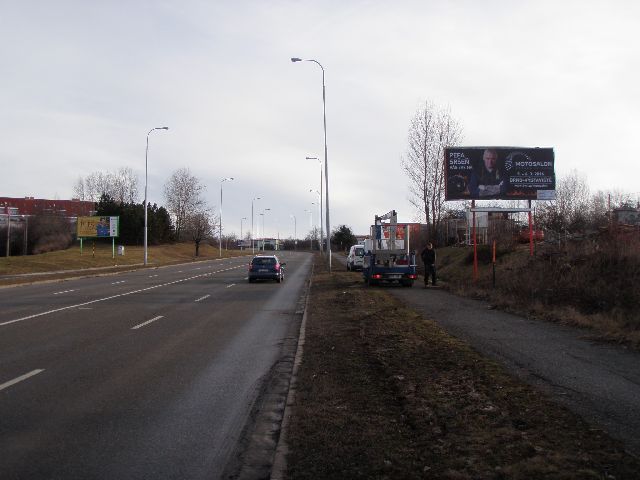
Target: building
point(41, 206)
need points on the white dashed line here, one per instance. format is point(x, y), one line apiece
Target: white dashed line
point(147, 322)
point(68, 307)
point(153, 276)
point(64, 291)
point(21, 378)
point(230, 285)
point(202, 298)
point(116, 283)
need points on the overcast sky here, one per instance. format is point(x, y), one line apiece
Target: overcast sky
point(83, 82)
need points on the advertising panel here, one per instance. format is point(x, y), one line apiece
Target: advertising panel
point(102, 227)
point(503, 173)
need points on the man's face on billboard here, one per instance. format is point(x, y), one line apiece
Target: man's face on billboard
point(490, 160)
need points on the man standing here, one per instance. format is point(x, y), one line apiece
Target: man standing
point(428, 256)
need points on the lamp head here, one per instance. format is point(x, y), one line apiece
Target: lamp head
point(295, 59)
point(163, 128)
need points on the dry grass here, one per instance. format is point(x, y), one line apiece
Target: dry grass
point(71, 259)
point(588, 284)
point(384, 393)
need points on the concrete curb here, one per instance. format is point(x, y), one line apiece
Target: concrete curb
point(279, 467)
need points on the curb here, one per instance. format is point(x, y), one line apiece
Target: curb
point(279, 467)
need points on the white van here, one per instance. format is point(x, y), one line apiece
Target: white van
point(355, 259)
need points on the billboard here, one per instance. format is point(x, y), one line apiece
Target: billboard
point(103, 227)
point(504, 173)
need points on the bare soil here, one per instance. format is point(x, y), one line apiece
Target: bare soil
point(385, 393)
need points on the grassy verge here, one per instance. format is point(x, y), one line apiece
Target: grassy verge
point(71, 260)
point(385, 393)
point(575, 286)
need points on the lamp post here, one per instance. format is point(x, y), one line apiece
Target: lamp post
point(320, 195)
point(146, 157)
point(310, 212)
point(252, 247)
point(263, 234)
point(241, 239)
point(220, 233)
point(326, 163)
point(319, 215)
point(295, 234)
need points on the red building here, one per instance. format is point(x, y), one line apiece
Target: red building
point(39, 206)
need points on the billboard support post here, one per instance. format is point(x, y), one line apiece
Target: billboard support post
point(113, 247)
point(80, 246)
point(475, 243)
point(530, 232)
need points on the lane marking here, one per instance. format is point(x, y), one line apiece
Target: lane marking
point(21, 378)
point(147, 322)
point(230, 285)
point(116, 283)
point(152, 276)
point(202, 298)
point(64, 291)
point(111, 297)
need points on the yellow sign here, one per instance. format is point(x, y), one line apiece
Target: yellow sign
point(98, 227)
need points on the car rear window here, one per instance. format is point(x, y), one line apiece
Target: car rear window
point(360, 252)
point(264, 261)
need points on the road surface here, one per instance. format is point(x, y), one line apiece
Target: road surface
point(145, 374)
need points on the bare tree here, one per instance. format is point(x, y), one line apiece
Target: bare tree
point(569, 211)
point(200, 226)
point(431, 130)
point(183, 193)
point(121, 185)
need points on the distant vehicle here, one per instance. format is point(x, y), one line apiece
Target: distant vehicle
point(523, 235)
point(266, 267)
point(355, 259)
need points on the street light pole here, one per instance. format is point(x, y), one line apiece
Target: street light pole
point(253, 251)
point(319, 215)
point(310, 212)
point(326, 163)
point(319, 193)
point(220, 233)
point(146, 157)
point(241, 239)
point(263, 234)
point(295, 234)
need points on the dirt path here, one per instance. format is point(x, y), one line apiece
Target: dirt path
point(599, 382)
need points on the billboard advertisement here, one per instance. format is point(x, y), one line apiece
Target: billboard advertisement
point(503, 173)
point(102, 227)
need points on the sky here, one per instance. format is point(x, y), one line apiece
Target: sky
point(83, 83)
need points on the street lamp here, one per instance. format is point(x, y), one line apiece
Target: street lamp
point(320, 194)
point(319, 215)
point(252, 247)
point(220, 233)
point(326, 163)
point(310, 212)
point(241, 239)
point(146, 157)
point(295, 234)
point(263, 234)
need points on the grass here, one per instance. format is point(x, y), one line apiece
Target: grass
point(71, 259)
point(590, 285)
point(384, 393)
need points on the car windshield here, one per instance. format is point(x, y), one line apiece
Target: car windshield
point(264, 261)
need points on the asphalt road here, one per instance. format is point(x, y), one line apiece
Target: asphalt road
point(145, 374)
point(600, 382)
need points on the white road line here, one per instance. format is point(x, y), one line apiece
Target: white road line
point(230, 285)
point(21, 378)
point(68, 307)
point(202, 298)
point(64, 291)
point(116, 283)
point(152, 276)
point(147, 322)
